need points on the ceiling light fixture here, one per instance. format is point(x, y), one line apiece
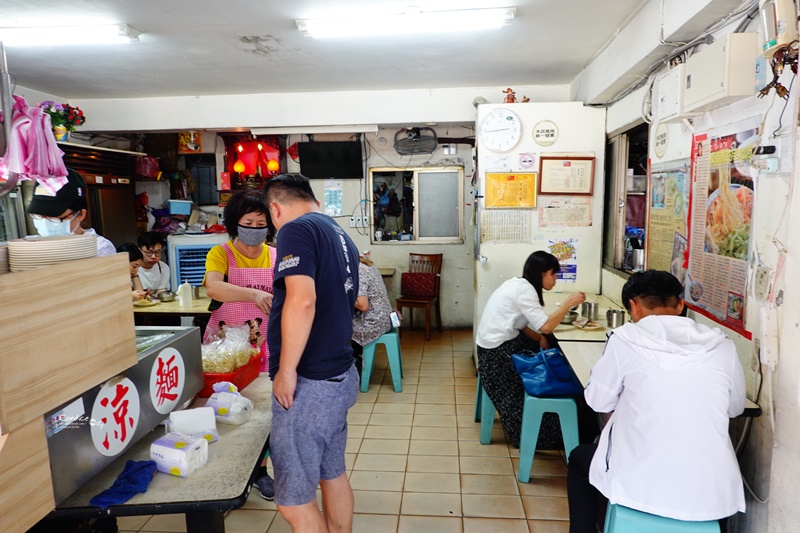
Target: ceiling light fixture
point(69, 35)
point(409, 22)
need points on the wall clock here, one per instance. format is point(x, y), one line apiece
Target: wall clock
point(500, 130)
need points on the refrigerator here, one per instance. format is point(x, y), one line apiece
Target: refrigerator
point(111, 207)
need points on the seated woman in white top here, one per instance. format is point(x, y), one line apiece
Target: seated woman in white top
point(514, 320)
point(154, 273)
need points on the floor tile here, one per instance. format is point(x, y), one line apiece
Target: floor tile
point(429, 380)
point(431, 504)
point(355, 431)
point(546, 507)
point(429, 524)
point(442, 421)
point(449, 399)
point(361, 408)
point(380, 462)
point(433, 447)
point(393, 397)
point(393, 408)
point(488, 484)
point(494, 525)
point(133, 523)
point(279, 525)
point(434, 409)
point(476, 449)
point(486, 465)
point(385, 481)
point(255, 501)
point(492, 506)
point(358, 419)
point(388, 432)
point(166, 522)
point(377, 502)
point(373, 523)
point(436, 389)
point(433, 464)
point(352, 445)
point(548, 526)
point(433, 433)
point(384, 446)
point(390, 419)
point(544, 486)
point(249, 521)
point(426, 482)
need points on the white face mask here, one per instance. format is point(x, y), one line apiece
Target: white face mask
point(48, 228)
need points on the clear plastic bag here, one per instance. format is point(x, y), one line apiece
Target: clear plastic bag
point(229, 352)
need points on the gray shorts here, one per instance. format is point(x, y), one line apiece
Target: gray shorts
point(307, 441)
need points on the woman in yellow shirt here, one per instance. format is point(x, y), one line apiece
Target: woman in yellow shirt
point(239, 272)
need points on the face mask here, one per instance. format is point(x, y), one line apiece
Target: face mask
point(48, 228)
point(252, 236)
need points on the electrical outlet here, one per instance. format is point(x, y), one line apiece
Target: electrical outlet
point(762, 281)
point(359, 222)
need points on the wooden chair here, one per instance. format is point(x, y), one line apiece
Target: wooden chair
point(426, 263)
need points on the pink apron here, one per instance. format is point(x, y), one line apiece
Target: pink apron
point(238, 313)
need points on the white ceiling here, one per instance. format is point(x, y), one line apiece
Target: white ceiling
point(205, 47)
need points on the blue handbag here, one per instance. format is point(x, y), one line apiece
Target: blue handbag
point(546, 373)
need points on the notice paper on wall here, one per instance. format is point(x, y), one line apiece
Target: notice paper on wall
point(333, 198)
point(566, 251)
point(667, 225)
point(566, 211)
point(505, 225)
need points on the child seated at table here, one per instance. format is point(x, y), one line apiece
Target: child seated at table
point(671, 385)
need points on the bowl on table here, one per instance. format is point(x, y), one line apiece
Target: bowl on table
point(570, 317)
point(166, 297)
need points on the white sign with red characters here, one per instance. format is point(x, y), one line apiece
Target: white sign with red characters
point(117, 409)
point(166, 380)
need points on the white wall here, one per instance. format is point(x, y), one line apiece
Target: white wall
point(457, 269)
point(581, 132)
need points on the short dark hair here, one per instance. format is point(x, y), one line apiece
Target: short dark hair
point(653, 288)
point(538, 263)
point(134, 253)
point(287, 188)
point(240, 204)
point(151, 238)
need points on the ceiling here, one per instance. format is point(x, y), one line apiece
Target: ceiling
point(215, 47)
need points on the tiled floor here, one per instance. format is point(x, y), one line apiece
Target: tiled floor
point(415, 461)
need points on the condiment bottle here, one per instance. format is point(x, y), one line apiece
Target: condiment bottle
point(185, 294)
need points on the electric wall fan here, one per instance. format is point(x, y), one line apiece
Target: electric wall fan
point(408, 141)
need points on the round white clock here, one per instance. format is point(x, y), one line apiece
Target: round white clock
point(500, 130)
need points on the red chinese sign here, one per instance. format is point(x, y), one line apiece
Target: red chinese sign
point(117, 409)
point(167, 379)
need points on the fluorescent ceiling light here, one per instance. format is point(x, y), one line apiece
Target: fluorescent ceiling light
point(408, 23)
point(69, 35)
point(286, 130)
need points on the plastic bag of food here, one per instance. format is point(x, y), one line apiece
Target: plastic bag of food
point(229, 352)
point(230, 407)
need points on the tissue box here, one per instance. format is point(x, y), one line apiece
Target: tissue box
point(179, 455)
point(198, 423)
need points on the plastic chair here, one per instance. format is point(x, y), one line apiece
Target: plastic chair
point(391, 341)
point(484, 413)
point(620, 519)
point(425, 263)
point(532, 411)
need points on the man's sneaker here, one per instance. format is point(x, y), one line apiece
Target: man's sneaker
point(266, 487)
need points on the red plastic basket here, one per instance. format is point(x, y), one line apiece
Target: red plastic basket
point(241, 377)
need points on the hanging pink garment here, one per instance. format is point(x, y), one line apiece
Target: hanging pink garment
point(32, 150)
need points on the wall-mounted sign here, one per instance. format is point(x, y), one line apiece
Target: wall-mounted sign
point(662, 133)
point(566, 175)
point(167, 378)
point(545, 133)
point(115, 415)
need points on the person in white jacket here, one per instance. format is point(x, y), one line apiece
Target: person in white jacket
point(671, 385)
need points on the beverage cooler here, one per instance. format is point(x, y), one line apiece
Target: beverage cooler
point(187, 256)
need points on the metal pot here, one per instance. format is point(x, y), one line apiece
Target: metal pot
point(615, 318)
point(166, 297)
point(589, 310)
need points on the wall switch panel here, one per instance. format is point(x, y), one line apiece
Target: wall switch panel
point(359, 222)
point(768, 335)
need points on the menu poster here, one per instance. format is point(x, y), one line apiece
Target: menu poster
point(566, 251)
point(721, 211)
point(565, 211)
point(667, 218)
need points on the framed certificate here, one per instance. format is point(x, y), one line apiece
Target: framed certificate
point(566, 175)
point(510, 190)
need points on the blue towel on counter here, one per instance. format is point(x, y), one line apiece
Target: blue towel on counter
point(135, 478)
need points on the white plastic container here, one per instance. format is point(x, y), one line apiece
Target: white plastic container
point(185, 294)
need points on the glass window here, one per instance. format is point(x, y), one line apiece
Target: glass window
point(417, 204)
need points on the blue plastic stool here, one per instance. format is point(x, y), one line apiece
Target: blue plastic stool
point(532, 412)
point(620, 519)
point(391, 340)
point(484, 413)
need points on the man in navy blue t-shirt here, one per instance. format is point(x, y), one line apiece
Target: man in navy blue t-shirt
point(311, 362)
